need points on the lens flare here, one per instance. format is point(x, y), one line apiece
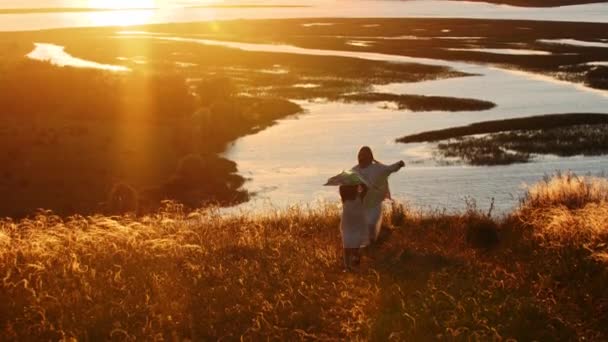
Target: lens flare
point(121, 4)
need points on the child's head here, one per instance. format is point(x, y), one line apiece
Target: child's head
point(351, 192)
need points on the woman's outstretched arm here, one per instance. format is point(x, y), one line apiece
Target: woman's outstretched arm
point(395, 167)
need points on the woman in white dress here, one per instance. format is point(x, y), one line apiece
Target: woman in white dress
point(376, 174)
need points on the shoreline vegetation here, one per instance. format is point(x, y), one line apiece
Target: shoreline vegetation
point(538, 273)
point(420, 103)
point(527, 123)
point(504, 142)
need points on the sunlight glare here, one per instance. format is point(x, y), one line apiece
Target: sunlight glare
point(121, 4)
point(120, 18)
point(136, 12)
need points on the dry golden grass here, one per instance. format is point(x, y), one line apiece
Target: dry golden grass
point(566, 190)
point(200, 276)
point(568, 210)
point(207, 276)
point(566, 218)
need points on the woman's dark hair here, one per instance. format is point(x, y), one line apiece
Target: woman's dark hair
point(351, 192)
point(365, 156)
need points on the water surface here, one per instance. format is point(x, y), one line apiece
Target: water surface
point(56, 55)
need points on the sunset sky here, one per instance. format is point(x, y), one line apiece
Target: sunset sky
point(109, 3)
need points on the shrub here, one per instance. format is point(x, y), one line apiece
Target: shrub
point(199, 180)
point(122, 199)
point(481, 231)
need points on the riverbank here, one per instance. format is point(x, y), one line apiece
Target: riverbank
point(535, 274)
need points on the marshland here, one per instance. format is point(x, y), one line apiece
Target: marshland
point(162, 163)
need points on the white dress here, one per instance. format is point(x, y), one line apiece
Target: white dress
point(376, 175)
point(353, 225)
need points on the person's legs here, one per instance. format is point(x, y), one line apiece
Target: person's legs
point(356, 258)
point(349, 258)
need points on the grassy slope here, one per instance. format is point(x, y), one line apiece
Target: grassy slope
point(207, 276)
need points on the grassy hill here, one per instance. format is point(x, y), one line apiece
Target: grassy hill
point(537, 273)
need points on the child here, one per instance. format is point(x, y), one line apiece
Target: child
point(352, 225)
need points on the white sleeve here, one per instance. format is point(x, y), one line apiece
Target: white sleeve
point(393, 167)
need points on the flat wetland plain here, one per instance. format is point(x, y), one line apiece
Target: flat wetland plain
point(135, 138)
point(445, 39)
point(139, 137)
